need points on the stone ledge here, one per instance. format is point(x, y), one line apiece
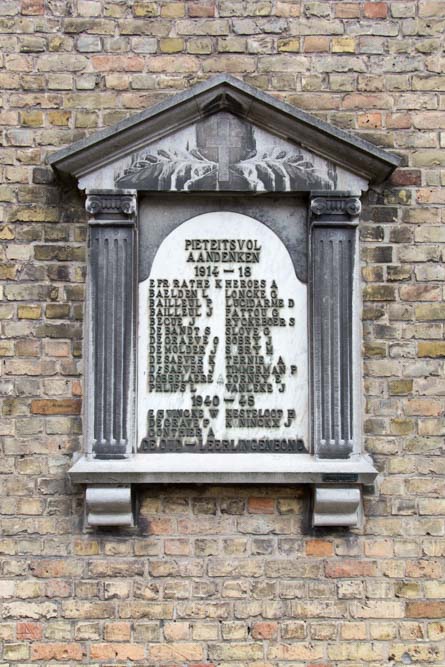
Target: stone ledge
point(174, 468)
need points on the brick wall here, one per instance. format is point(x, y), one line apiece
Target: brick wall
point(223, 576)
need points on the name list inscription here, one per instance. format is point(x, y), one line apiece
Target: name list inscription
point(224, 323)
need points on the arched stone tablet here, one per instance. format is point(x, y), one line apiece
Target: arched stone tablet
point(223, 359)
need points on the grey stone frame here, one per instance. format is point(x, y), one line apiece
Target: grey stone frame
point(337, 467)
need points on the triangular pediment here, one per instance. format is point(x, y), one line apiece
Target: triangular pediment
point(225, 153)
point(226, 136)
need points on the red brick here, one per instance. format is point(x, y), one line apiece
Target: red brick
point(160, 527)
point(319, 548)
point(32, 7)
point(287, 9)
point(425, 609)
point(175, 651)
point(372, 120)
point(406, 177)
point(29, 631)
point(201, 9)
point(350, 568)
point(118, 63)
point(57, 651)
point(398, 121)
point(56, 568)
point(76, 388)
point(375, 10)
point(259, 505)
point(117, 652)
point(420, 293)
point(64, 406)
point(264, 630)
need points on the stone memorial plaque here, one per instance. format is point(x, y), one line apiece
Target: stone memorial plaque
point(229, 309)
point(223, 342)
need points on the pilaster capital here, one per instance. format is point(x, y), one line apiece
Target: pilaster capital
point(335, 205)
point(111, 206)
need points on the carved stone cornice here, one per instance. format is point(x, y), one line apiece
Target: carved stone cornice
point(335, 206)
point(109, 207)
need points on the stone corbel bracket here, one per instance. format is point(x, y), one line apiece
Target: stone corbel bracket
point(337, 506)
point(108, 505)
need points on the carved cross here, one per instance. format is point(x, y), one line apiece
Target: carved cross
point(225, 136)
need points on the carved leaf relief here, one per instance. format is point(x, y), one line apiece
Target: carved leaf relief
point(223, 153)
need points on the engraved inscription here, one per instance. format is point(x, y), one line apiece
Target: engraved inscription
point(222, 342)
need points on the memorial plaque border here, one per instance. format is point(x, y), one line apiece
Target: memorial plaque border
point(336, 468)
point(334, 302)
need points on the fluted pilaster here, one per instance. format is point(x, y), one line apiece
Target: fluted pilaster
point(333, 266)
point(112, 325)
